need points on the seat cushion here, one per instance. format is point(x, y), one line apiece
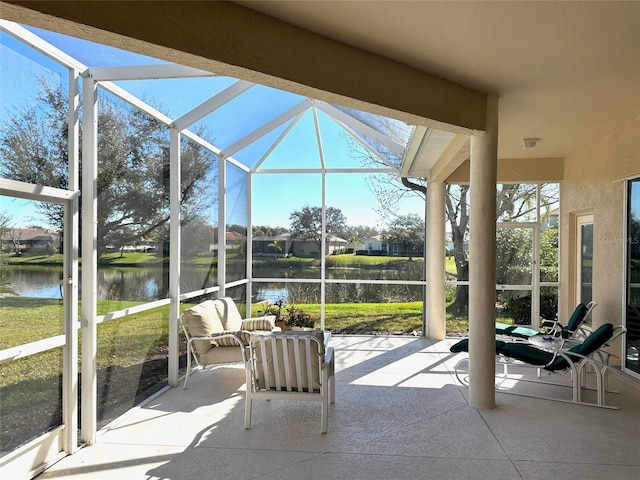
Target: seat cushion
point(463, 346)
point(229, 314)
point(202, 320)
point(597, 339)
point(526, 353)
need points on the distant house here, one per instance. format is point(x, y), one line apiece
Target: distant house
point(449, 244)
point(261, 244)
point(25, 240)
point(552, 220)
point(295, 246)
point(232, 240)
point(309, 248)
point(375, 244)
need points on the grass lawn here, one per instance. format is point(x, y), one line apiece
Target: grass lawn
point(129, 340)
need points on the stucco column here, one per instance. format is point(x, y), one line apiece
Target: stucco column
point(436, 260)
point(482, 261)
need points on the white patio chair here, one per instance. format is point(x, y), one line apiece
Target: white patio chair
point(290, 365)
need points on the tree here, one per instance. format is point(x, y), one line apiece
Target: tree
point(33, 146)
point(360, 232)
point(5, 278)
point(277, 247)
point(513, 202)
point(133, 166)
point(198, 237)
point(5, 221)
point(306, 223)
point(267, 231)
point(353, 240)
point(408, 232)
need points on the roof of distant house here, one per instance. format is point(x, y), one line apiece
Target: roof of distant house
point(25, 234)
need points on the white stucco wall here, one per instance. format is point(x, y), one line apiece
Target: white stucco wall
point(592, 183)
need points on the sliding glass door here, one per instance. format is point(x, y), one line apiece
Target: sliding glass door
point(631, 361)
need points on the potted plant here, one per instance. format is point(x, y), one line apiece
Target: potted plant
point(296, 318)
point(293, 317)
point(274, 309)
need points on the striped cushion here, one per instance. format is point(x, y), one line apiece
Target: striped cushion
point(243, 335)
point(259, 323)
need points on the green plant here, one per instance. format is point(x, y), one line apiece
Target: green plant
point(297, 317)
point(518, 308)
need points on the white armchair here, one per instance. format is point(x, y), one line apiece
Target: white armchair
point(217, 333)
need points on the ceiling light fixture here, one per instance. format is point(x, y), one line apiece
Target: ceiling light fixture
point(529, 142)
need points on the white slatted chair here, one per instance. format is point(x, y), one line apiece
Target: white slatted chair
point(290, 365)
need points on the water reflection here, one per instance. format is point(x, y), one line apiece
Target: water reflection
point(152, 283)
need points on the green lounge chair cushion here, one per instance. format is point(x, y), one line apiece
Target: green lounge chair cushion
point(463, 346)
point(577, 317)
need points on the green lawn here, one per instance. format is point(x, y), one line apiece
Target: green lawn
point(128, 340)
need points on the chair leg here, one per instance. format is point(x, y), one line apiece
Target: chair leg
point(247, 399)
point(247, 412)
point(332, 382)
point(186, 377)
point(324, 414)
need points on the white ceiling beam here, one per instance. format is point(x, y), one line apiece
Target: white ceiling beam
point(31, 191)
point(420, 136)
point(212, 104)
point(456, 153)
point(318, 138)
point(202, 142)
point(360, 127)
point(278, 141)
point(135, 101)
point(329, 170)
point(366, 145)
point(147, 72)
point(22, 34)
point(267, 127)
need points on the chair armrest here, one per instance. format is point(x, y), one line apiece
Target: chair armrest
point(551, 326)
point(328, 357)
point(213, 338)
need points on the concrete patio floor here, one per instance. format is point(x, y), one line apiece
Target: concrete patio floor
point(399, 414)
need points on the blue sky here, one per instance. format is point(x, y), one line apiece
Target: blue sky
point(278, 194)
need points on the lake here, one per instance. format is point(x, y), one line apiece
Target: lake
point(151, 283)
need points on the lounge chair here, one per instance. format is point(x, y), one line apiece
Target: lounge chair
point(573, 328)
point(559, 360)
point(290, 365)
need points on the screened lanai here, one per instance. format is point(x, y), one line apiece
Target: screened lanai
point(220, 156)
point(197, 171)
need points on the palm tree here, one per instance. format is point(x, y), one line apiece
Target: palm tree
point(353, 240)
point(277, 246)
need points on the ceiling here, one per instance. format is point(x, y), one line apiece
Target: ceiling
point(565, 72)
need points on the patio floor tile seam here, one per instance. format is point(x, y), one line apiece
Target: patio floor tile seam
point(495, 437)
point(598, 462)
